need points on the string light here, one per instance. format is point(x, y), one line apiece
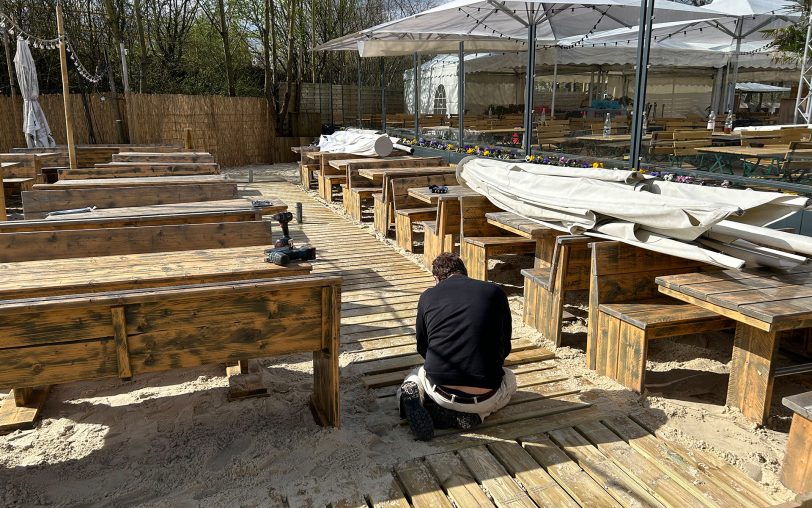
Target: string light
point(9, 25)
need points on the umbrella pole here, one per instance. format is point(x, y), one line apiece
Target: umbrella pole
point(63, 60)
point(731, 92)
point(528, 93)
point(416, 61)
point(641, 79)
point(461, 93)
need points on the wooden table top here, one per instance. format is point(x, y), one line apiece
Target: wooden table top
point(376, 173)
point(454, 192)
point(8, 164)
point(505, 130)
point(517, 224)
point(747, 151)
point(110, 273)
point(178, 209)
point(766, 300)
point(132, 182)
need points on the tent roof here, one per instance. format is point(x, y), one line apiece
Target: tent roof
point(760, 88)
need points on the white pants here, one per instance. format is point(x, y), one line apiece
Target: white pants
point(490, 405)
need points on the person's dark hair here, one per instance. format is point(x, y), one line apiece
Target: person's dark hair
point(447, 264)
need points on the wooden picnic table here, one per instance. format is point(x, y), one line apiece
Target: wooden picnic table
point(614, 138)
point(518, 225)
point(454, 192)
point(725, 155)
point(54, 277)
point(763, 303)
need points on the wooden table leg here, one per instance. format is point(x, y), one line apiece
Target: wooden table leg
point(21, 408)
point(751, 372)
point(326, 399)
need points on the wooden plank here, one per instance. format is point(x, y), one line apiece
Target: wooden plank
point(683, 467)
point(64, 244)
point(119, 323)
point(618, 484)
point(132, 182)
point(391, 496)
point(420, 486)
point(796, 473)
point(489, 472)
point(14, 417)
point(751, 372)
point(138, 171)
point(659, 484)
point(457, 480)
point(37, 202)
point(538, 484)
point(577, 483)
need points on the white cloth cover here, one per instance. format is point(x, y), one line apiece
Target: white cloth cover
point(665, 217)
point(35, 125)
point(357, 142)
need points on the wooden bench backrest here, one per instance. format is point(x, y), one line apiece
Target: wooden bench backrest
point(662, 142)
point(622, 273)
point(130, 332)
point(28, 166)
point(37, 203)
point(163, 157)
point(473, 220)
point(132, 221)
point(683, 125)
point(400, 188)
point(79, 243)
point(686, 142)
point(798, 158)
point(398, 162)
point(571, 263)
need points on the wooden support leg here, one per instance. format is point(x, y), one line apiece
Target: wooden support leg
point(243, 383)
point(796, 472)
point(606, 346)
point(431, 247)
point(326, 399)
point(530, 310)
point(403, 232)
point(631, 357)
point(346, 200)
point(751, 372)
point(551, 313)
point(475, 259)
point(21, 408)
point(380, 218)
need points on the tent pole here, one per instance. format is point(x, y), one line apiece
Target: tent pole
point(416, 76)
point(591, 87)
point(528, 94)
point(358, 86)
point(555, 84)
point(383, 96)
point(717, 90)
point(731, 84)
point(63, 61)
point(641, 80)
point(461, 93)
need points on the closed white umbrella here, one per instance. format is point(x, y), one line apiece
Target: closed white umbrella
point(35, 125)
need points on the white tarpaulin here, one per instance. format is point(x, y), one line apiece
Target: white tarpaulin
point(357, 142)
point(35, 125)
point(665, 217)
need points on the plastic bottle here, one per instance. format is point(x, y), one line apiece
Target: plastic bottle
point(712, 121)
point(607, 126)
point(645, 123)
point(543, 118)
point(729, 122)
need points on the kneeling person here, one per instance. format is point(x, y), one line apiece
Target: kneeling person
point(463, 333)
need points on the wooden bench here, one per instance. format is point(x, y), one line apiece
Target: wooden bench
point(78, 243)
point(121, 334)
point(95, 183)
point(37, 203)
point(545, 288)
point(133, 170)
point(686, 143)
point(626, 310)
point(480, 240)
point(796, 471)
point(443, 233)
point(409, 210)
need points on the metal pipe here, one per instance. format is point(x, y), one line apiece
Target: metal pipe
point(641, 79)
point(531, 78)
point(731, 84)
point(461, 93)
point(383, 96)
point(358, 85)
point(555, 85)
point(416, 82)
point(804, 70)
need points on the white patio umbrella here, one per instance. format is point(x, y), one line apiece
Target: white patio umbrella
point(35, 125)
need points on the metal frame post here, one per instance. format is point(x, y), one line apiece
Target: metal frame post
point(461, 93)
point(530, 85)
point(416, 82)
point(803, 102)
point(641, 79)
point(358, 85)
point(730, 98)
point(555, 84)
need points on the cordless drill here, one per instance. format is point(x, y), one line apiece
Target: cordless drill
point(283, 251)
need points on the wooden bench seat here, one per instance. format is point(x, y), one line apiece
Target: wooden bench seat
point(404, 223)
point(476, 250)
point(359, 197)
point(14, 186)
point(326, 183)
point(796, 471)
point(121, 334)
point(626, 310)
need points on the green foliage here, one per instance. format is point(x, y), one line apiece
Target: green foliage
point(790, 40)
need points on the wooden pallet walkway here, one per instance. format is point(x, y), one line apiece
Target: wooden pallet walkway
point(548, 447)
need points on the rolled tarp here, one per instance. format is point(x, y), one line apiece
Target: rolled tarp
point(357, 142)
